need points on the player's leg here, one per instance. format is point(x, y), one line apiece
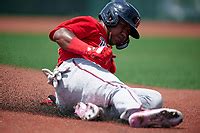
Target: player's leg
point(124, 103)
point(130, 108)
point(85, 82)
point(129, 100)
point(153, 114)
point(150, 99)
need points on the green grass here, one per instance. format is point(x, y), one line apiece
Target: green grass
point(28, 50)
point(164, 62)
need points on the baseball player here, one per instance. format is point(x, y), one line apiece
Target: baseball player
point(84, 79)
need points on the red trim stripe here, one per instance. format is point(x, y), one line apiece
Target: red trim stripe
point(93, 74)
point(102, 79)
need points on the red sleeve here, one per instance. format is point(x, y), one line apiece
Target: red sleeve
point(80, 26)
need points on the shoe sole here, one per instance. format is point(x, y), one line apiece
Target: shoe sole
point(156, 118)
point(52, 98)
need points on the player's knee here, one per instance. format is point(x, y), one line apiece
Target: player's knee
point(158, 100)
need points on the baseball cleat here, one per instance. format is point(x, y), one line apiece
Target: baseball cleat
point(50, 101)
point(88, 111)
point(163, 118)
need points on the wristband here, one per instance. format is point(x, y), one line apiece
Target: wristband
point(77, 46)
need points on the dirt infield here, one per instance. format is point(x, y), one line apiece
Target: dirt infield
point(45, 24)
point(23, 89)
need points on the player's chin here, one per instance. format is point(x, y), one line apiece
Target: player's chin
point(117, 42)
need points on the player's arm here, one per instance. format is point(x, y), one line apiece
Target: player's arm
point(69, 42)
point(63, 37)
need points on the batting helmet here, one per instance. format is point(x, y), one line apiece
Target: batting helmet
point(113, 10)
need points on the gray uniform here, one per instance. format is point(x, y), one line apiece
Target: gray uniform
point(85, 81)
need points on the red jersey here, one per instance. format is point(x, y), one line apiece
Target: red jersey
point(90, 31)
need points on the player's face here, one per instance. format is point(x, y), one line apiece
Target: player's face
point(120, 33)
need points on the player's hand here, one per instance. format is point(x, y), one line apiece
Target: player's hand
point(99, 53)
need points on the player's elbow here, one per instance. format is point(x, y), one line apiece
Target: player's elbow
point(63, 37)
point(63, 34)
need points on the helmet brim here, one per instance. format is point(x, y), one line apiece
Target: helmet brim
point(134, 33)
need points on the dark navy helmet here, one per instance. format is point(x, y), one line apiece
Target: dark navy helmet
point(113, 11)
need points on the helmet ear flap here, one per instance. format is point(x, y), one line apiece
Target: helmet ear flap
point(124, 45)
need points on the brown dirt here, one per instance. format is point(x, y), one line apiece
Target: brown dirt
point(23, 89)
point(45, 24)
